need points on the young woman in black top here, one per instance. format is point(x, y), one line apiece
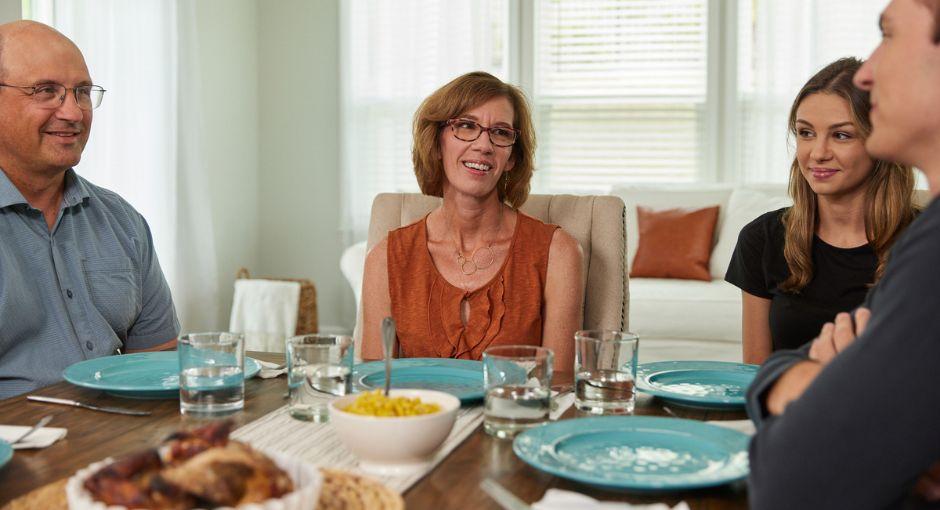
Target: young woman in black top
point(799, 266)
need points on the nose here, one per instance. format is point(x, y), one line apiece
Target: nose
point(864, 78)
point(820, 150)
point(69, 109)
point(483, 143)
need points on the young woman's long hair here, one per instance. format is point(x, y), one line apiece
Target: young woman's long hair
point(889, 191)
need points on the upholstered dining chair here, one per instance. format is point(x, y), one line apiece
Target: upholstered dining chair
point(597, 222)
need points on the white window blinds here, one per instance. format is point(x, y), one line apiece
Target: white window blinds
point(395, 54)
point(620, 91)
point(780, 46)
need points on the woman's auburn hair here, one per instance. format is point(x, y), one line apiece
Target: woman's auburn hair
point(454, 99)
point(889, 191)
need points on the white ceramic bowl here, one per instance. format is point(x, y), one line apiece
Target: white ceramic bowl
point(395, 445)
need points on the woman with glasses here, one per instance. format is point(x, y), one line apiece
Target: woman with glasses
point(475, 272)
point(799, 266)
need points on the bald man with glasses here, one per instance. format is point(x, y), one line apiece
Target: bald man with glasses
point(79, 277)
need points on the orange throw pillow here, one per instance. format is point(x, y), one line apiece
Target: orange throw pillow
point(675, 243)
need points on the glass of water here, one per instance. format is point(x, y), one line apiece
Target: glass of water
point(319, 367)
point(605, 371)
point(212, 373)
point(517, 380)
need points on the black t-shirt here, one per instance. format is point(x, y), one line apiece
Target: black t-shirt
point(841, 278)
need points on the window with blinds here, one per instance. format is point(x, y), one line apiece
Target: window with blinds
point(780, 45)
point(619, 88)
point(394, 55)
point(620, 92)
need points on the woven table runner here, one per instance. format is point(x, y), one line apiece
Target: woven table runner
point(319, 445)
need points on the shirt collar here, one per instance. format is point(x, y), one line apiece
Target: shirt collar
point(9, 194)
point(76, 191)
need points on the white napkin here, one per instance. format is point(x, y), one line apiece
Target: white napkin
point(560, 405)
point(269, 370)
point(40, 439)
point(743, 426)
point(268, 310)
point(557, 499)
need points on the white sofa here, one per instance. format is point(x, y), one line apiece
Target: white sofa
point(689, 319)
point(675, 319)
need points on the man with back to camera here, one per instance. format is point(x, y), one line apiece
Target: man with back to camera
point(853, 419)
point(79, 277)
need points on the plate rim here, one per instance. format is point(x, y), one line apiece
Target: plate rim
point(469, 365)
point(654, 422)
point(647, 370)
point(6, 453)
point(252, 367)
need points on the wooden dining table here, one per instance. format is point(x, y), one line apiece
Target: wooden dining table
point(454, 483)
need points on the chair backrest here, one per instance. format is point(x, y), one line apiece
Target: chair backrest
point(597, 222)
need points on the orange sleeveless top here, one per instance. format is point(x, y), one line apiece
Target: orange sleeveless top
point(506, 310)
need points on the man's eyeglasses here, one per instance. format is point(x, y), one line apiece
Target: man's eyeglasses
point(468, 131)
point(52, 95)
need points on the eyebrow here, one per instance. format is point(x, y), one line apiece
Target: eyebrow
point(833, 126)
point(475, 119)
point(47, 81)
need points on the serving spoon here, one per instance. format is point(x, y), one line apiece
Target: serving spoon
point(388, 341)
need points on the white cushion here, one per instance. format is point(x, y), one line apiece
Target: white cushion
point(352, 264)
point(745, 204)
point(685, 309)
point(669, 197)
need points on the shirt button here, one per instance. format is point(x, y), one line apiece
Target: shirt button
point(68, 292)
point(89, 346)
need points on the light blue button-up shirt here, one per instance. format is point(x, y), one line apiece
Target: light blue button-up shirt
point(89, 286)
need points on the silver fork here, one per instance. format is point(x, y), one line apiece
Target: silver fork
point(40, 424)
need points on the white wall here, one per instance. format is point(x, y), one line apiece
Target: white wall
point(10, 10)
point(299, 156)
point(228, 58)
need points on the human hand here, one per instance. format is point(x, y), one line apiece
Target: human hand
point(928, 485)
point(791, 385)
point(835, 337)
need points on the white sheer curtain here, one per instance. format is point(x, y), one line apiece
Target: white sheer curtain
point(145, 136)
point(781, 44)
point(395, 54)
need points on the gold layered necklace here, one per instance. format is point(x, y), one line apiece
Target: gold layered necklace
point(482, 257)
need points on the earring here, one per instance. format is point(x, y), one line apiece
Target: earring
point(505, 184)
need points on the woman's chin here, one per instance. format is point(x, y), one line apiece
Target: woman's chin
point(477, 190)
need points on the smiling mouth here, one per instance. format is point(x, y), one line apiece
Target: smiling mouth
point(63, 134)
point(476, 167)
point(824, 173)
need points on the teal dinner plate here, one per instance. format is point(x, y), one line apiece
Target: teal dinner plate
point(460, 377)
point(150, 375)
point(636, 453)
point(6, 452)
point(715, 384)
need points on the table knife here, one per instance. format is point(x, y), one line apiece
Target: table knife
point(104, 409)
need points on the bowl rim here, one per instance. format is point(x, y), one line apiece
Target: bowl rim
point(451, 405)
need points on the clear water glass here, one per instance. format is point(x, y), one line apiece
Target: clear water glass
point(605, 371)
point(319, 368)
point(212, 373)
point(517, 380)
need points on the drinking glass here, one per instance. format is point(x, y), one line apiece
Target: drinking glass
point(605, 371)
point(212, 373)
point(517, 380)
point(319, 367)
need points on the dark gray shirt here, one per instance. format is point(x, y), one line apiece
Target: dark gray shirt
point(87, 287)
point(869, 425)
